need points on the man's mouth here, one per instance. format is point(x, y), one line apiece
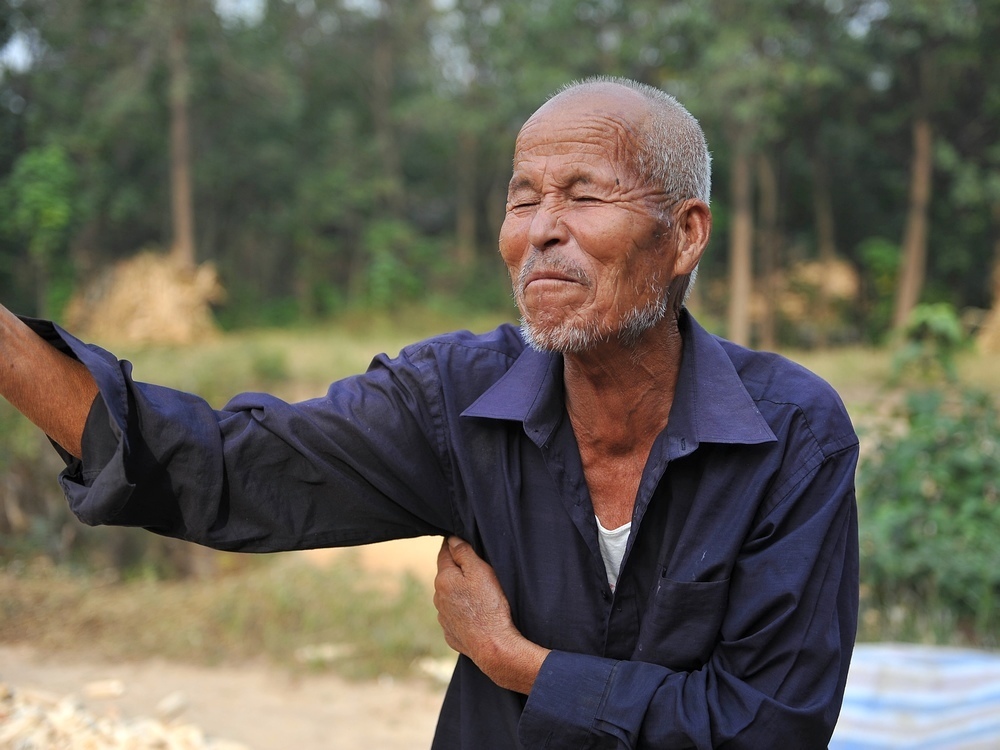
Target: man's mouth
point(557, 271)
point(549, 276)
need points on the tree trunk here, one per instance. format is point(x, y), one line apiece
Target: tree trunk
point(767, 180)
point(826, 239)
point(465, 202)
point(182, 250)
point(913, 253)
point(740, 245)
point(913, 260)
point(988, 337)
point(383, 83)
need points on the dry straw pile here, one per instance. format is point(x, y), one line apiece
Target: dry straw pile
point(148, 299)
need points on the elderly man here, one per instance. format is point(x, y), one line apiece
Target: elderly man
point(651, 532)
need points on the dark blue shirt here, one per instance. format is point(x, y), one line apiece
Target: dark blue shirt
point(734, 616)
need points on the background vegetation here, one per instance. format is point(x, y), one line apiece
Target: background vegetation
point(329, 154)
point(343, 164)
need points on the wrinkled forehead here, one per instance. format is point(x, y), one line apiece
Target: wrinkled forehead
point(603, 124)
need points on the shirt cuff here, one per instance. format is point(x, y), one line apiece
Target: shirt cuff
point(563, 706)
point(580, 701)
point(96, 487)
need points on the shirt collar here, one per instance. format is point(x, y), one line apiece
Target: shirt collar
point(531, 391)
point(711, 404)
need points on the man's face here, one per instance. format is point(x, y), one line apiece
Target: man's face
point(586, 241)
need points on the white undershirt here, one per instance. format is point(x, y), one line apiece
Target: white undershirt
point(613, 543)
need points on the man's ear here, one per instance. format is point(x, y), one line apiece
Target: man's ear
point(694, 227)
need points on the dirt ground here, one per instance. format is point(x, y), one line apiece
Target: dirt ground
point(262, 707)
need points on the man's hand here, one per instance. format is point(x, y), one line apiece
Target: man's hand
point(476, 620)
point(51, 389)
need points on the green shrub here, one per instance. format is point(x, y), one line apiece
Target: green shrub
point(399, 262)
point(931, 340)
point(929, 503)
point(33, 513)
point(879, 259)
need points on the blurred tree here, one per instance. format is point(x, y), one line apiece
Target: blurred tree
point(98, 81)
point(174, 17)
point(968, 162)
point(337, 146)
point(36, 208)
point(740, 87)
point(927, 41)
point(824, 87)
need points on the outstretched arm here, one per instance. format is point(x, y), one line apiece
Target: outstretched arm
point(50, 388)
point(476, 620)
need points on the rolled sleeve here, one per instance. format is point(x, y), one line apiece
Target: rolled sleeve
point(95, 487)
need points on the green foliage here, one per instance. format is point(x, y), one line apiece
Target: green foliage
point(33, 512)
point(38, 201)
point(399, 261)
point(37, 208)
point(337, 146)
point(18, 438)
point(932, 338)
point(247, 311)
point(929, 503)
point(879, 259)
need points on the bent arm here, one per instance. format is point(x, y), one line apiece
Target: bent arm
point(475, 617)
point(778, 669)
point(50, 388)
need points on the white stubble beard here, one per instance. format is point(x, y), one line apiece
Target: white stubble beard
point(575, 336)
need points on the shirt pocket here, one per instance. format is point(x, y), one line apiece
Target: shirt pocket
point(681, 624)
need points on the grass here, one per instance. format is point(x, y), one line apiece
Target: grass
point(279, 609)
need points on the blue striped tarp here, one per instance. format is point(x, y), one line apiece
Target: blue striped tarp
point(920, 698)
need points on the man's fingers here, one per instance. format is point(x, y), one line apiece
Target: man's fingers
point(445, 559)
point(461, 551)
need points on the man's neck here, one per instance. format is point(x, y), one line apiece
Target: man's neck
point(619, 397)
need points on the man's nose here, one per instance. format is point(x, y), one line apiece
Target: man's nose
point(547, 228)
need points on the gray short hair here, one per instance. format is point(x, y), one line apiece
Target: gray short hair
point(672, 152)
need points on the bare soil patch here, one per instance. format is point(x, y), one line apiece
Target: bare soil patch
point(260, 707)
point(257, 705)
